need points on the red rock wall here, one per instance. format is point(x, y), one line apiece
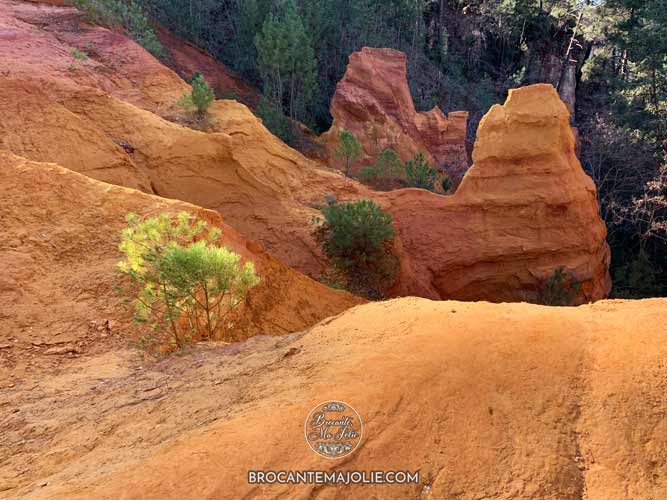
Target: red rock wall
point(373, 101)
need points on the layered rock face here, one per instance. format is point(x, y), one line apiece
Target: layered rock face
point(102, 117)
point(525, 208)
point(374, 102)
point(492, 401)
point(61, 232)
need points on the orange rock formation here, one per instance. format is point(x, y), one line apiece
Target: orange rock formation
point(485, 401)
point(374, 102)
point(523, 210)
point(61, 232)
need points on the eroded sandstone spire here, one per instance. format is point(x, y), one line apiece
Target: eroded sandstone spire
point(524, 209)
point(373, 101)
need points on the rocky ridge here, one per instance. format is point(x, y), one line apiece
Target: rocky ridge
point(512, 222)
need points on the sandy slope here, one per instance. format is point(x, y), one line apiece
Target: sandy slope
point(59, 249)
point(506, 401)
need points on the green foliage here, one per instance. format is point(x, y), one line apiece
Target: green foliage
point(348, 149)
point(229, 95)
point(286, 60)
point(641, 32)
point(560, 289)
point(419, 173)
point(386, 168)
point(185, 286)
point(357, 231)
point(446, 184)
point(622, 115)
point(201, 97)
point(127, 14)
point(637, 279)
point(274, 119)
point(78, 54)
point(305, 43)
point(369, 174)
point(357, 237)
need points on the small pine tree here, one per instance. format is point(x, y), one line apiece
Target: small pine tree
point(185, 285)
point(446, 184)
point(201, 97)
point(419, 173)
point(357, 237)
point(348, 149)
point(386, 168)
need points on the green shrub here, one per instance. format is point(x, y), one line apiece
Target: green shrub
point(185, 286)
point(386, 168)
point(201, 97)
point(127, 14)
point(78, 54)
point(369, 174)
point(446, 184)
point(639, 278)
point(273, 119)
point(419, 174)
point(357, 236)
point(229, 95)
point(348, 149)
point(560, 288)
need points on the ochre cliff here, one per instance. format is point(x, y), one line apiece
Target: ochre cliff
point(519, 213)
point(102, 117)
point(524, 208)
point(486, 401)
point(59, 251)
point(36, 42)
point(374, 102)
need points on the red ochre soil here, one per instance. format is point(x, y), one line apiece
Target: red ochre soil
point(494, 401)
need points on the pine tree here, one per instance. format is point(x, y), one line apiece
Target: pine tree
point(419, 173)
point(348, 149)
point(286, 60)
point(201, 97)
point(185, 285)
